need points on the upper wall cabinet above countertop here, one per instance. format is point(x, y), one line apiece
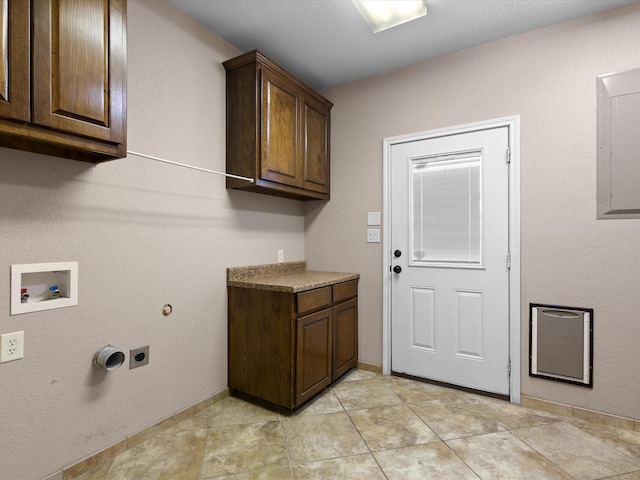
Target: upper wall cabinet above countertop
point(63, 77)
point(277, 131)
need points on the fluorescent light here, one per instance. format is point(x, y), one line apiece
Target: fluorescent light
point(383, 14)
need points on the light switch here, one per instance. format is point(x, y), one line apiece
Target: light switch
point(373, 235)
point(373, 218)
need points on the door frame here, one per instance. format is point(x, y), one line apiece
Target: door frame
point(513, 124)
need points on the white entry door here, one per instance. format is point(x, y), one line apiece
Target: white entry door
point(450, 258)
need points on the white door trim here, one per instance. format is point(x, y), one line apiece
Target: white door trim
point(513, 123)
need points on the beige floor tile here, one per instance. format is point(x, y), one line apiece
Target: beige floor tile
point(175, 453)
point(88, 464)
point(401, 421)
point(278, 473)
point(391, 427)
point(577, 452)
point(359, 375)
point(599, 417)
point(411, 391)
point(96, 473)
point(508, 415)
point(194, 422)
point(627, 441)
point(233, 411)
point(366, 394)
point(461, 417)
point(434, 460)
point(357, 467)
point(511, 416)
point(502, 456)
point(320, 437)
point(149, 432)
point(244, 448)
point(326, 403)
point(626, 476)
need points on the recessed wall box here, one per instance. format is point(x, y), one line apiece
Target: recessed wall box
point(618, 169)
point(561, 344)
point(48, 286)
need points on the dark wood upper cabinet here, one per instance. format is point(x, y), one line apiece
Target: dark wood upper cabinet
point(14, 60)
point(277, 131)
point(63, 77)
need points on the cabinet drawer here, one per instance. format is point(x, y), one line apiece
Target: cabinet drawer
point(342, 291)
point(313, 299)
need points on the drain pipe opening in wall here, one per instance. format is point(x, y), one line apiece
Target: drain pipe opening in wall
point(109, 358)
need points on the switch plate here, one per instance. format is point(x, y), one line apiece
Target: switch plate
point(11, 346)
point(373, 218)
point(373, 235)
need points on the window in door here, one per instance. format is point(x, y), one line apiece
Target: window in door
point(446, 210)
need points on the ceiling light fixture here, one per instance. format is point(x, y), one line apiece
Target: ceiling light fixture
point(383, 14)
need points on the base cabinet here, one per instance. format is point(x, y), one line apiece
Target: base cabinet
point(284, 348)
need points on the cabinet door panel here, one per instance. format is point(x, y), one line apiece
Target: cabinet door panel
point(313, 354)
point(260, 335)
point(316, 148)
point(280, 130)
point(14, 59)
point(80, 49)
point(345, 337)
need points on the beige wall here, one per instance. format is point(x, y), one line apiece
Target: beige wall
point(144, 234)
point(568, 258)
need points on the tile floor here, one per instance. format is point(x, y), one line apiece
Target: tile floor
point(370, 427)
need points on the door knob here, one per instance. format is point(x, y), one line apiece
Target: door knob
point(397, 269)
point(397, 253)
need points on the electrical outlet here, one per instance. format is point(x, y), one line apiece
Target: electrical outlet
point(11, 346)
point(280, 256)
point(138, 357)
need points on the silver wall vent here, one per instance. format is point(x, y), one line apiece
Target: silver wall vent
point(561, 343)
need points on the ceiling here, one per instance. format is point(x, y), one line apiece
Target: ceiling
point(326, 42)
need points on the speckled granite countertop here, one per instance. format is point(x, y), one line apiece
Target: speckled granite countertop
point(284, 277)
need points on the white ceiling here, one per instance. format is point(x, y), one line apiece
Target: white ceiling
point(326, 42)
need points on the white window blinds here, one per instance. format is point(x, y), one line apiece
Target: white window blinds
point(447, 209)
